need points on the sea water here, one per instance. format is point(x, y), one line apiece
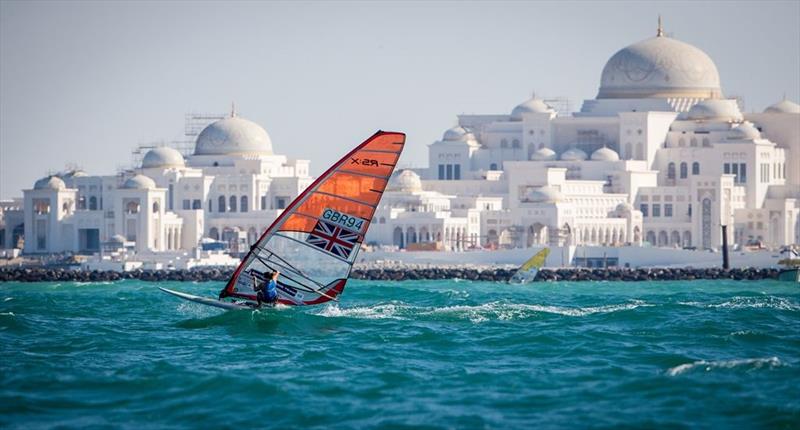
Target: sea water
point(424, 354)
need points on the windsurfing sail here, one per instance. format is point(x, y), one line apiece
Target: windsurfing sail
point(315, 240)
point(527, 272)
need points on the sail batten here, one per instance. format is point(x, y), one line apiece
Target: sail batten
point(315, 240)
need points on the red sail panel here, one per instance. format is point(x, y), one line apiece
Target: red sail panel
point(315, 241)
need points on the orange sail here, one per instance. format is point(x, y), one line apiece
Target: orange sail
point(315, 240)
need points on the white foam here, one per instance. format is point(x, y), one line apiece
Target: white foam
point(742, 302)
point(7, 299)
point(7, 314)
point(381, 311)
point(754, 363)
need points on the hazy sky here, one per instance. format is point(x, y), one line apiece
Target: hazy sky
point(86, 82)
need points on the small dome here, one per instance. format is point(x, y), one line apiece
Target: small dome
point(233, 135)
point(745, 131)
point(573, 154)
point(139, 182)
point(623, 209)
point(533, 105)
point(455, 134)
point(74, 174)
point(784, 106)
point(545, 194)
point(50, 183)
point(543, 154)
point(162, 157)
point(717, 110)
point(605, 154)
point(405, 180)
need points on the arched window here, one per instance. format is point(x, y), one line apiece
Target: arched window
point(221, 204)
point(682, 142)
point(493, 166)
point(196, 204)
point(232, 204)
point(382, 220)
point(504, 143)
point(671, 171)
point(243, 205)
point(684, 170)
point(628, 151)
point(640, 151)
point(213, 233)
point(693, 142)
point(515, 144)
point(695, 168)
point(155, 207)
point(81, 203)
point(209, 205)
point(92, 203)
point(706, 142)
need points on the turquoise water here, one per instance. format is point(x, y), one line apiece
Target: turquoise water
point(428, 354)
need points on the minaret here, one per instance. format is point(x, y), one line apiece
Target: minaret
point(233, 110)
point(660, 31)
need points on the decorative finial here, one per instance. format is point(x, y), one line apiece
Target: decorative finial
point(533, 95)
point(660, 31)
point(233, 109)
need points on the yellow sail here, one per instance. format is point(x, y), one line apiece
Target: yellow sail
point(536, 261)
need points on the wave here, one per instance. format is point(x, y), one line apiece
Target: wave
point(7, 314)
point(744, 302)
point(750, 363)
point(474, 313)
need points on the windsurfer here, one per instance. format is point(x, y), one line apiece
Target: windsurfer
point(267, 292)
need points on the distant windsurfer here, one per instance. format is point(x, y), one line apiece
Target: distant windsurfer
point(267, 292)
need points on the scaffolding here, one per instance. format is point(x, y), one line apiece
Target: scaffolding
point(194, 123)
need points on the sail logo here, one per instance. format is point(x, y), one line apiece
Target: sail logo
point(333, 239)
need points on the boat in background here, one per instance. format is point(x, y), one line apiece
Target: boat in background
point(527, 272)
point(791, 270)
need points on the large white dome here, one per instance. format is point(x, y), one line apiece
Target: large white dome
point(233, 135)
point(573, 154)
point(660, 67)
point(162, 157)
point(455, 134)
point(543, 154)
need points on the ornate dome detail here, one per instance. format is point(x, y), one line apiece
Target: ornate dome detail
point(605, 154)
point(543, 154)
point(660, 67)
point(233, 135)
point(162, 157)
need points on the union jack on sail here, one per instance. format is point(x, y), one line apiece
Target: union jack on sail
point(333, 239)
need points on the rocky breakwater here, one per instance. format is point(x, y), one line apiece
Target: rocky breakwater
point(400, 273)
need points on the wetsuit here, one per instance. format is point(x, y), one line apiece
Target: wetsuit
point(268, 293)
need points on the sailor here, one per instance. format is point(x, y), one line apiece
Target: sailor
point(267, 292)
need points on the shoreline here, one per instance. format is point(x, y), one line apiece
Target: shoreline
point(402, 273)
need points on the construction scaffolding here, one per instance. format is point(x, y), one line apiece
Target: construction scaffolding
point(194, 123)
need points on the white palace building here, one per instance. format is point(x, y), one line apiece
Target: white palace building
point(659, 158)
